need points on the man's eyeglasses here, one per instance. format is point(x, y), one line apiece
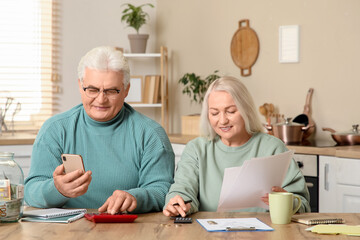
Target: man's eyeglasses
point(92, 92)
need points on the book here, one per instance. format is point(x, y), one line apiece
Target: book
point(157, 90)
point(310, 220)
point(47, 213)
point(63, 219)
point(151, 89)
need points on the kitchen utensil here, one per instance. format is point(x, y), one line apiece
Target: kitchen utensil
point(288, 132)
point(345, 138)
point(7, 106)
point(305, 118)
point(17, 109)
point(263, 111)
point(244, 47)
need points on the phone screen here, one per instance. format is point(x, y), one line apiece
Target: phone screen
point(72, 162)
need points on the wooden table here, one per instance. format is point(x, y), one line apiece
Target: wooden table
point(157, 226)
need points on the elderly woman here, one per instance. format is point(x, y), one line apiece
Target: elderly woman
point(232, 133)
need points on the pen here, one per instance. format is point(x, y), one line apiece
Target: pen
point(240, 229)
point(177, 204)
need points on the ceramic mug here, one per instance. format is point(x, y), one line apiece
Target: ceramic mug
point(281, 207)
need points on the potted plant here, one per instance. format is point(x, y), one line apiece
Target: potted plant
point(195, 87)
point(135, 17)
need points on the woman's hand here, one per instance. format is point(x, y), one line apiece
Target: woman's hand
point(265, 198)
point(181, 208)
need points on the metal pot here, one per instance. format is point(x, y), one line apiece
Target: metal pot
point(288, 132)
point(346, 138)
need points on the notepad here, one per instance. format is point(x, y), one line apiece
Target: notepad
point(310, 220)
point(53, 212)
point(64, 219)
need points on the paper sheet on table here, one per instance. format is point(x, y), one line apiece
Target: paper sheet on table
point(220, 224)
point(244, 186)
point(337, 229)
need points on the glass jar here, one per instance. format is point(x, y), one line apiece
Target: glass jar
point(11, 188)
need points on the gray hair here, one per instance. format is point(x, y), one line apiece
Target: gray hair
point(243, 101)
point(105, 58)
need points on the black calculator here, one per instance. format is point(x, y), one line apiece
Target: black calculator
point(183, 220)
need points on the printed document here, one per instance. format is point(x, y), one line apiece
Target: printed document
point(244, 186)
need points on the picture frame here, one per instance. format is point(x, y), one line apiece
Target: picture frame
point(135, 91)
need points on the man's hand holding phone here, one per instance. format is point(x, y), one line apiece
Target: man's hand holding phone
point(74, 182)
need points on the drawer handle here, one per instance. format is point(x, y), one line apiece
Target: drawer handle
point(309, 184)
point(326, 183)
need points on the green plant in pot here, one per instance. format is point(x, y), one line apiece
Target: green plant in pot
point(195, 87)
point(135, 17)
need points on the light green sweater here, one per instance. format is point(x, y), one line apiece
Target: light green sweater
point(130, 152)
point(200, 171)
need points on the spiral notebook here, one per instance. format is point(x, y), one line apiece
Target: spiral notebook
point(47, 213)
point(311, 220)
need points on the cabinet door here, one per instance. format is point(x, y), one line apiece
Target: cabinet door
point(327, 184)
point(178, 149)
point(348, 199)
point(348, 185)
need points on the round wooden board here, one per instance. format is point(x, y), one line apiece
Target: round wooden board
point(244, 48)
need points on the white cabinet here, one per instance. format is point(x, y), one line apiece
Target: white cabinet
point(339, 185)
point(164, 75)
point(348, 185)
point(22, 155)
point(178, 149)
point(327, 184)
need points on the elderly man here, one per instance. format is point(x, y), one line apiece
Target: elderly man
point(128, 157)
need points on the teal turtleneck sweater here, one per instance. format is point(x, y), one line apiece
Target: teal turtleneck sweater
point(130, 152)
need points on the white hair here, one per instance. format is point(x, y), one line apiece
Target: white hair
point(105, 58)
point(243, 101)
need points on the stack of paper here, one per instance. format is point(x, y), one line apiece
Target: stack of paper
point(244, 186)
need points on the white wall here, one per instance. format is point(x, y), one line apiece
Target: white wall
point(90, 23)
point(199, 34)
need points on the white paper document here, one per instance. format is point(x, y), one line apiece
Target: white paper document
point(244, 186)
point(233, 224)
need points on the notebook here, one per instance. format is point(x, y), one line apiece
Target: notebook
point(311, 220)
point(64, 219)
point(53, 212)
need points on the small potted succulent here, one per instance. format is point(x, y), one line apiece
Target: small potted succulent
point(195, 87)
point(135, 17)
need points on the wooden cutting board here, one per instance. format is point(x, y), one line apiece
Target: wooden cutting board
point(245, 47)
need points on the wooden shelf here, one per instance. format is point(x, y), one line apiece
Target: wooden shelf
point(142, 55)
point(164, 79)
point(145, 105)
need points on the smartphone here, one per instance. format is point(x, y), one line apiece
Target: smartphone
point(72, 162)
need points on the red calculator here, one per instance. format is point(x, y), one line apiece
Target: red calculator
point(108, 218)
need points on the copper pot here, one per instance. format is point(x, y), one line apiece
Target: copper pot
point(288, 132)
point(346, 138)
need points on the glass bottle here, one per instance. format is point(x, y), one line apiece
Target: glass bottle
point(11, 188)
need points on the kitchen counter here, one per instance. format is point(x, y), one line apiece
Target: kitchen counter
point(17, 139)
point(336, 151)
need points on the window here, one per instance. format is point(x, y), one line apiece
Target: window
point(29, 52)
